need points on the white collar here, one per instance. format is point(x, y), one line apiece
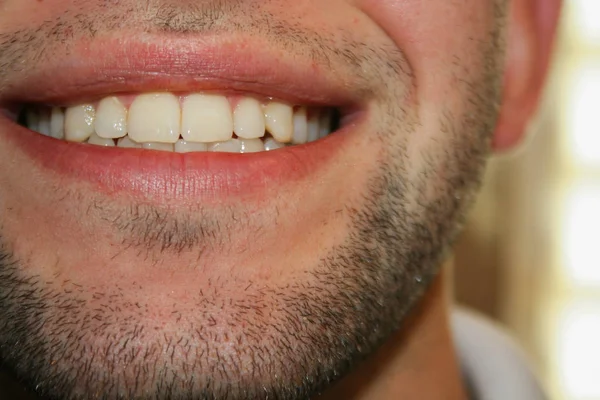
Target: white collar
point(493, 365)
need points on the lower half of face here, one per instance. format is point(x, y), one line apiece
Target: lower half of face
point(229, 200)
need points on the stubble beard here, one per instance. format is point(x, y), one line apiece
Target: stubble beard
point(297, 339)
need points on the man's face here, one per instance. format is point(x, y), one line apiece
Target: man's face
point(149, 273)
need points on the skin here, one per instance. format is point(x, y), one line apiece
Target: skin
point(341, 295)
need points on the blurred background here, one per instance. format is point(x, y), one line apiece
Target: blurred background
point(530, 255)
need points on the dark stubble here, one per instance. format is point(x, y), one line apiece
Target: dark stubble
point(314, 332)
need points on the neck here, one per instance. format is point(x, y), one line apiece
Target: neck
point(418, 362)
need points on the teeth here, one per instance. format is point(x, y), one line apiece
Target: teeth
point(33, 120)
point(251, 146)
point(127, 143)
point(98, 141)
point(79, 123)
point(206, 118)
point(44, 122)
point(300, 135)
point(249, 119)
point(184, 124)
point(57, 123)
point(325, 124)
point(111, 119)
point(314, 126)
point(272, 144)
point(279, 122)
point(158, 146)
point(183, 146)
point(230, 146)
point(154, 117)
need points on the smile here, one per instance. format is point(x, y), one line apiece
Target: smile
point(215, 122)
point(183, 124)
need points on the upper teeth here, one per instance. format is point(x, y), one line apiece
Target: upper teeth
point(196, 122)
point(154, 118)
point(111, 118)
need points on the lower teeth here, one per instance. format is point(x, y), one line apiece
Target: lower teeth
point(181, 146)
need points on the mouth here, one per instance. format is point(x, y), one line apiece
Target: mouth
point(173, 124)
point(197, 122)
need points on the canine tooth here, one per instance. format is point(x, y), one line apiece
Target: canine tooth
point(111, 118)
point(183, 146)
point(279, 122)
point(206, 118)
point(249, 119)
point(79, 122)
point(57, 123)
point(230, 146)
point(251, 145)
point(300, 135)
point(98, 141)
point(314, 125)
point(272, 144)
point(33, 119)
point(158, 146)
point(44, 122)
point(154, 117)
point(325, 124)
point(127, 143)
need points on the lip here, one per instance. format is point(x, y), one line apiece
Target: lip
point(230, 64)
point(175, 177)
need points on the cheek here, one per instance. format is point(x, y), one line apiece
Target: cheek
point(441, 39)
point(446, 44)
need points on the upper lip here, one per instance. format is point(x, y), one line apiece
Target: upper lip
point(223, 63)
point(227, 64)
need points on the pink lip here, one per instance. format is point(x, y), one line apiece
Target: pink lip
point(166, 177)
point(225, 64)
point(191, 64)
point(228, 65)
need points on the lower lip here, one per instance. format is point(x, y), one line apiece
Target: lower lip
point(166, 176)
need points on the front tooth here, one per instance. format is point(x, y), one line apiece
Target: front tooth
point(111, 118)
point(249, 119)
point(79, 122)
point(279, 121)
point(230, 146)
point(300, 126)
point(127, 143)
point(314, 126)
point(272, 144)
point(206, 118)
point(98, 141)
point(57, 123)
point(158, 146)
point(183, 146)
point(251, 145)
point(154, 117)
point(44, 122)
